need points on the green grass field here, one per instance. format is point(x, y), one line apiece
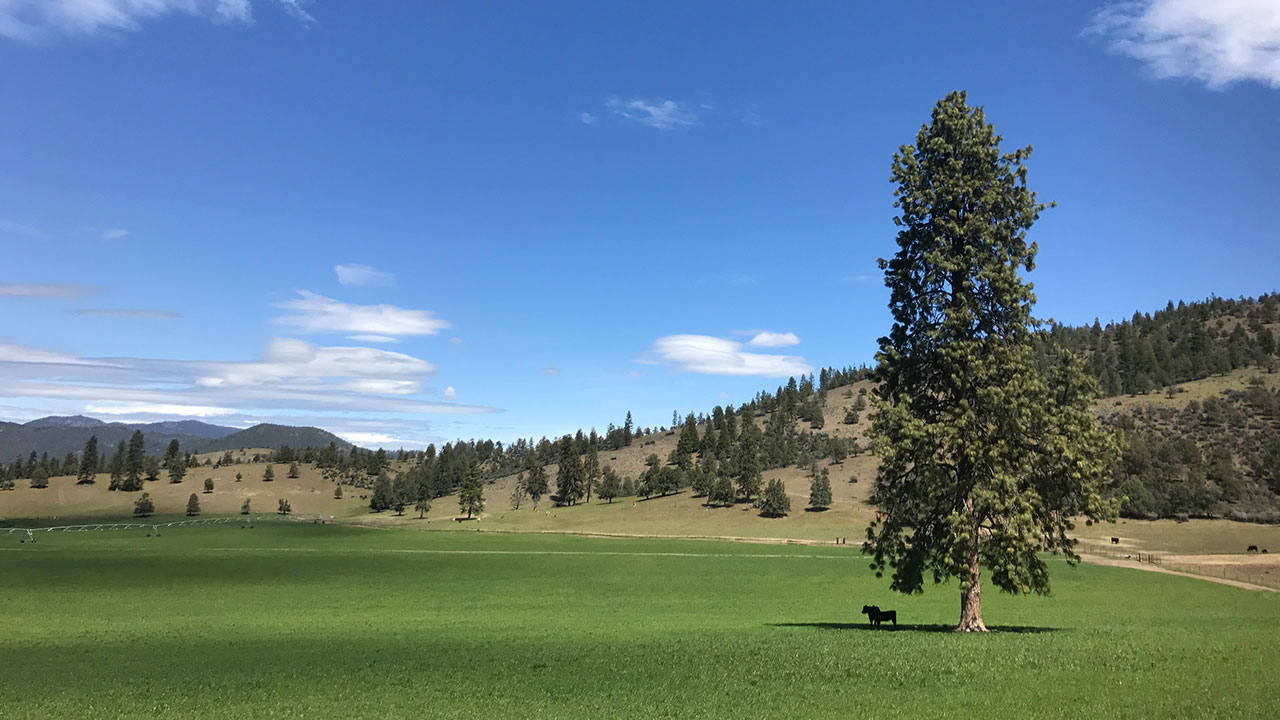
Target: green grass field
point(300, 620)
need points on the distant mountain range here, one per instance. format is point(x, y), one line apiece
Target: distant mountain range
point(59, 435)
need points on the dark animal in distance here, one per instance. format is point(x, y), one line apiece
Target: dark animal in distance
point(1115, 541)
point(1252, 548)
point(876, 616)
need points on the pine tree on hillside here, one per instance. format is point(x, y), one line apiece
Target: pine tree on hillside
point(383, 496)
point(590, 471)
point(151, 468)
point(471, 493)
point(820, 490)
point(116, 467)
point(88, 462)
point(173, 455)
point(144, 507)
point(611, 485)
point(774, 503)
point(569, 477)
point(536, 483)
point(193, 504)
point(134, 458)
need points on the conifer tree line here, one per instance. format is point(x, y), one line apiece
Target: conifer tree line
point(720, 454)
point(1175, 345)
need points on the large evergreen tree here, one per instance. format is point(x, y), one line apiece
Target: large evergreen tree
point(471, 493)
point(88, 462)
point(134, 460)
point(116, 467)
point(983, 461)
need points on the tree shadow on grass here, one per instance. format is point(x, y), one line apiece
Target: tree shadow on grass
point(1021, 629)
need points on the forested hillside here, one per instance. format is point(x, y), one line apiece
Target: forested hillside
point(1193, 389)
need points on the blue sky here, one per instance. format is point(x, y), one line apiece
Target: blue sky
point(410, 222)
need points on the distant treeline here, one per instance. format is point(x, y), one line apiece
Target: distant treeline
point(1175, 345)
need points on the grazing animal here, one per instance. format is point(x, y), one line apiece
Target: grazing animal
point(876, 616)
point(1252, 548)
point(1264, 551)
point(1115, 541)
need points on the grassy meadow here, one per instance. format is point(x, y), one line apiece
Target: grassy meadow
point(302, 620)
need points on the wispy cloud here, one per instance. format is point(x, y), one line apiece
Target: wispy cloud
point(587, 118)
point(50, 291)
point(1217, 42)
point(657, 114)
point(19, 228)
point(128, 313)
point(363, 275)
point(551, 371)
point(26, 355)
point(457, 341)
point(710, 355)
point(142, 408)
point(765, 338)
point(373, 338)
point(374, 439)
point(449, 393)
point(289, 375)
point(114, 233)
point(295, 362)
point(37, 20)
point(314, 313)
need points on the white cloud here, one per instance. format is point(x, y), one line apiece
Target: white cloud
point(637, 373)
point(297, 10)
point(764, 338)
point(587, 118)
point(287, 360)
point(128, 313)
point(373, 439)
point(457, 341)
point(313, 313)
point(449, 393)
point(11, 353)
point(55, 291)
point(36, 20)
point(1218, 42)
point(289, 375)
point(362, 275)
point(112, 233)
point(373, 338)
point(717, 356)
point(659, 114)
point(551, 371)
point(142, 408)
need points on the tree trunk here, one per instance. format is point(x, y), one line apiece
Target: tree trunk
point(971, 590)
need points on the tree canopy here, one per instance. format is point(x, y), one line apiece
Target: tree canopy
point(984, 459)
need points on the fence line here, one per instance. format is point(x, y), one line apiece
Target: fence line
point(1239, 572)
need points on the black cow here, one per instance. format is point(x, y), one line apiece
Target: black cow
point(1251, 548)
point(876, 616)
point(1115, 541)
